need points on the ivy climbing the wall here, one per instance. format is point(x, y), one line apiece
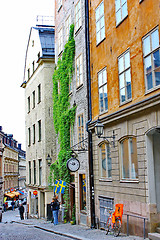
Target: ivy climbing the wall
point(63, 113)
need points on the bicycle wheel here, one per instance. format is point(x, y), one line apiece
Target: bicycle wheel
point(117, 227)
point(108, 226)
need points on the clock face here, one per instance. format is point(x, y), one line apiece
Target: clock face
point(73, 164)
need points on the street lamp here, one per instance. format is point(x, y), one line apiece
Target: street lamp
point(49, 160)
point(99, 129)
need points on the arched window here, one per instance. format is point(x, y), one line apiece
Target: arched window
point(129, 163)
point(105, 161)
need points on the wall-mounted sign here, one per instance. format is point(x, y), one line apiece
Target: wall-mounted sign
point(73, 164)
point(35, 192)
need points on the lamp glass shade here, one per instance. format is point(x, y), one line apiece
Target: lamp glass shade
point(99, 128)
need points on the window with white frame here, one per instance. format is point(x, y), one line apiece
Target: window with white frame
point(59, 4)
point(100, 25)
point(68, 23)
point(102, 86)
point(79, 76)
point(151, 56)
point(129, 163)
point(60, 42)
point(105, 161)
point(78, 17)
point(124, 70)
point(80, 129)
point(121, 10)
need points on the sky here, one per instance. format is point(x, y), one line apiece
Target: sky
point(16, 19)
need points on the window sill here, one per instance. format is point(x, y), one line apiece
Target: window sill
point(105, 180)
point(78, 30)
point(129, 181)
point(100, 42)
point(59, 8)
point(83, 212)
point(128, 101)
point(117, 25)
point(101, 113)
point(79, 87)
point(152, 90)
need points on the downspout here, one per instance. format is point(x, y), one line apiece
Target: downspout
point(90, 146)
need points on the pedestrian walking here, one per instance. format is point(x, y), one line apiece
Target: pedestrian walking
point(55, 209)
point(21, 211)
point(4, 207)
point(12, 203)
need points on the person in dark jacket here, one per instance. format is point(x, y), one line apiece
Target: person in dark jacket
point(55, 209)
point(21, 211)
point(13, 203)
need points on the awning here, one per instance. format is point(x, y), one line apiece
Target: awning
point(16, 193)
point(11, 195)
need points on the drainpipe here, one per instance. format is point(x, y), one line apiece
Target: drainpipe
point(90, 146)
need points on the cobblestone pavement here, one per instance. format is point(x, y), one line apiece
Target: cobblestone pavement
point(66, 230)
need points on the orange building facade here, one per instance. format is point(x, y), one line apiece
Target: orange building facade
point(125, 89)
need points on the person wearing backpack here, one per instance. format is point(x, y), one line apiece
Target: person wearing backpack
point(55, 209)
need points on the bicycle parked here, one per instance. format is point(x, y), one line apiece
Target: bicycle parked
point(115, 220)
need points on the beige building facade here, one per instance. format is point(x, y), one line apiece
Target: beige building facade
point(40, 136)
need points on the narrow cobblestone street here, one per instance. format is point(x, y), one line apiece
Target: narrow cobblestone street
point(13, 228)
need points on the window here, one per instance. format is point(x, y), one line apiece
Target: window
point(78, 18)
point(34, 100)
point(29, 104)
point(59, 4)
point(129, 163)
point(39, 93)
point(29, 137)
point(103, 97)
point(68, 23)
point(34, 136)
point(71, 135)
point(80, 129)
point(121, 10)
point(151, 56)
point(79, 77)
point(29, 167)
point(105, 161)
point(39, 131)
point(124, 69)
point(82, 182)
point(40, 172)
point(60, 41)
point(100, 26)
point(34, 167)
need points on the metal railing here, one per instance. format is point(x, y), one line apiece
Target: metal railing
point(136, 216)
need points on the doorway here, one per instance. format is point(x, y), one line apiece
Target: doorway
point(153, 157)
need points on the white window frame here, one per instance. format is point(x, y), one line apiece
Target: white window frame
point(104, 163)
point(78, 16)
point(100, 23)
point(67, 24)
point(102, 88)
point(79, 71)
point(60, 41)
point(120, 5)
point(150, 55)
point(131, 167)
point(125, 73)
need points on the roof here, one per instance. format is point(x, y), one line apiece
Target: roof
point(47, 38)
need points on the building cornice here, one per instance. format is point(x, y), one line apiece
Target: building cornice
point(135, 108)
